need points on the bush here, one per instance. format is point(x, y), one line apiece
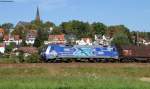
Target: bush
point(10, 47)
point(28, 58)
point(33, 58)
point(21, 57)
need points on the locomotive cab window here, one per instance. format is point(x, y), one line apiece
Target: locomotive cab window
point(44, 49)
point(51, 49)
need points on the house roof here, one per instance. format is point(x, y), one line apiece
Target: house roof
point(87, 39)
point(1, 30)
point(7, 37)
point(32, 33)
point(22, 23)
point(57, 36)
point(16, 37)
point(29, 50)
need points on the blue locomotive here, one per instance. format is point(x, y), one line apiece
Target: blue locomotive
point(78, 52)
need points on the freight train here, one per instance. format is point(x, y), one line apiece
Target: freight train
point(96, 53)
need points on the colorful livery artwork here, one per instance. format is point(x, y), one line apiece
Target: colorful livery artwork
point(62, 51)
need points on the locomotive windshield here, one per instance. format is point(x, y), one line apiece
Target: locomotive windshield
point(44, 48)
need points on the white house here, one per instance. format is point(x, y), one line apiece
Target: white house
point(144, 42)
point(9, 39)
point(31, 36)
point(103, 40)
point(84, 41)
point(2, 48)
point(56, 39)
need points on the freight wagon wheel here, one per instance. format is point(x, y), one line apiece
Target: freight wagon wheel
point(105, 60)
point(124, 60)
point(133, 60)
point(148, 60)
point(129, 60)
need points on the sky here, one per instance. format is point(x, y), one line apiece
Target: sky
point(134, 14)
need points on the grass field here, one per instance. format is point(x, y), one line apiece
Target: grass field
point(75, 76)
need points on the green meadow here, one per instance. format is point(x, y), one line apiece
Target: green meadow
point(75, 76)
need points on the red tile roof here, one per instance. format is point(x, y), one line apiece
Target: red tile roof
point(16, 37)
point(86, 39)
point(32, 34)
point(58, 37)
point(1, 30)
point(6, 37)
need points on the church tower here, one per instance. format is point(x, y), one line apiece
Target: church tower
point(37, 18)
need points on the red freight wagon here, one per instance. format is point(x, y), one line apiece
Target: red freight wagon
point(134, 53)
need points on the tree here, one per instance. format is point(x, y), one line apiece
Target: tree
point(78, 28)
point(148, 35)
point(7, 27)
point(99, 28)
point(23, 43)
point(117, 29)
point(20, 30)
point(37, 24)
point(1, 39)
point(49, 24)
point(38, 42)
point(84, 30)
point(42, 36)
point(56, 31)
point(21, 57)
point(121, 39)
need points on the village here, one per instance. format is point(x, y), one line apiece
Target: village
point(74, 44)
point(52, 39)
point(59, 38)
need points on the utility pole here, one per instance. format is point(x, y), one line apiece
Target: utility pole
point(137, 38)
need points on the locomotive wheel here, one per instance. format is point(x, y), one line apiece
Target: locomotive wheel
point(91, 60)
point(51, 61)
point(69, 60)
point(123, 60)
point(58, 61)
point(113, 60)
point(105, 60)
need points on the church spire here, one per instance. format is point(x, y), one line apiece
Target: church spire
point(37, 15)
